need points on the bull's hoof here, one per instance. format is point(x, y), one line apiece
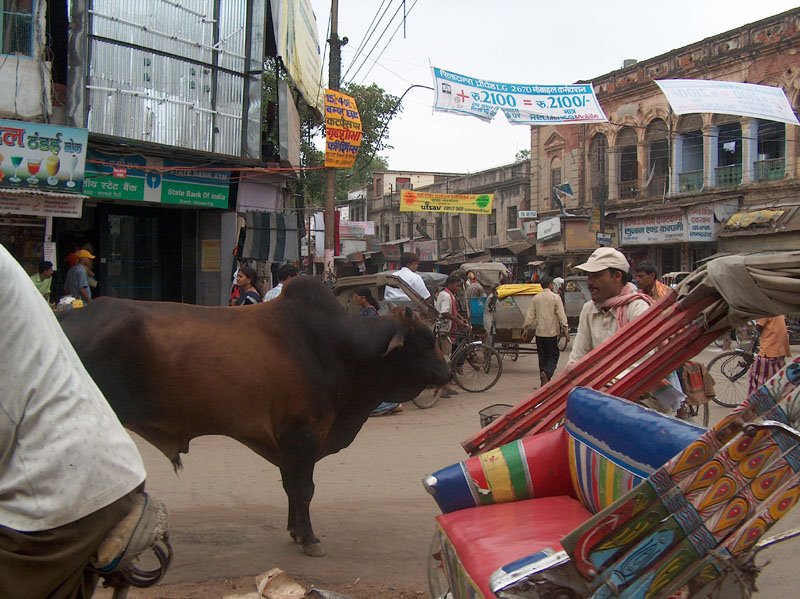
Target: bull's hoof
point(295, 537)
point(314, 549)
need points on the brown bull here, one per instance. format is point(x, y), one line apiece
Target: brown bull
point(314, 373)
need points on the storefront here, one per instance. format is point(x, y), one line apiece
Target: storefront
point(568, 242)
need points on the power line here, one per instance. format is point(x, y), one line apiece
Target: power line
point(369, 32)
point(377, 41)
point(374, 62)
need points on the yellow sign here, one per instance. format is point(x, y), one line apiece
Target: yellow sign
point(342, 130)
point(419, 201)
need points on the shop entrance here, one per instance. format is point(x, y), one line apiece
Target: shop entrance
point(140, 256)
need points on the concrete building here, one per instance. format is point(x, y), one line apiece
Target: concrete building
point(664, 187)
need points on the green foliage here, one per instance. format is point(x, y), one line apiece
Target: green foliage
point(522, 155)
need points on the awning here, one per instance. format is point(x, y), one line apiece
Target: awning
point(766, 221)
point(36, 202)
point(515, 247)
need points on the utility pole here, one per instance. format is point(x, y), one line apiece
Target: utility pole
point(334, 77)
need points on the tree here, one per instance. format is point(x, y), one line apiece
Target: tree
point(522, 155)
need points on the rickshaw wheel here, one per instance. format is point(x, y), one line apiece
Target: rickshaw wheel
point(438, 585)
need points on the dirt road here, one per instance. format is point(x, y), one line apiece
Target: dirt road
point(228, 510)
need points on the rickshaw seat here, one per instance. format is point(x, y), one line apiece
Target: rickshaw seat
point(525, 496)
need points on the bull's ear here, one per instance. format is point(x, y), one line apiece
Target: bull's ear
point(395, 342)
point(408, 314)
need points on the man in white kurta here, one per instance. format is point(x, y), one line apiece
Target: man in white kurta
point(68, 470)
point(409, 263)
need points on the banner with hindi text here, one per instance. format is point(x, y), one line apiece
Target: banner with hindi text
point(420, 201)
point(342, 130)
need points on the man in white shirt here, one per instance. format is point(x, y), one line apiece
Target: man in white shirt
point(614, 304)
point(68, 470)
point(544, 319)
point(409, 263)
point(285, 273)
point(447, 307)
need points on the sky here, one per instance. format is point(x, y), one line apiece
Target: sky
point(511, 41)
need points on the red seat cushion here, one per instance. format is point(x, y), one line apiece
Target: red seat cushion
point(490, 536)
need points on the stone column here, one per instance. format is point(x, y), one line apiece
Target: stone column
point(613, 175)
point(790, 152)
point(641, 158)
point(677, 163)
point(710, 158)
point(749, 148)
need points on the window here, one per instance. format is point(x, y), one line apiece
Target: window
point(403, 182)
point(455, 227)
point(378, 186)
point(473, 226)
point(555, 181)
point(410, 229)
point(511, 217)
point(491, 226)
point(397, 231)
point(628, 164)
point(438, 228)
point(422, 226)
point(386, 232)
point(16, 34)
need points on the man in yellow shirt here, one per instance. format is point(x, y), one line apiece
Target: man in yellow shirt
point(545, 316)
point(773, 351)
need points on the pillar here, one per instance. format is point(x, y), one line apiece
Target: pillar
point(749, 149)
point(710, 158)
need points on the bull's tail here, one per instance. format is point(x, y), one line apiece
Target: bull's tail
point(177, 464)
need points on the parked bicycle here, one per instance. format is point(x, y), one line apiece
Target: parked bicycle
point(730, 371)
point(474, 365)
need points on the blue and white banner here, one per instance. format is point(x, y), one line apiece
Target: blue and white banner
point(523, 104)
point(728, 97)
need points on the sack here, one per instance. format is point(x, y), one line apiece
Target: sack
point(698, 384)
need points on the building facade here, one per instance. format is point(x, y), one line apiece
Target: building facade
point(664, 187)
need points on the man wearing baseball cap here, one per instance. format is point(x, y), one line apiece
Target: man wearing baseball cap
point(615, 302)
point(77, 281)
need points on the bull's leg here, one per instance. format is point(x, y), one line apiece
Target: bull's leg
point(297, 472)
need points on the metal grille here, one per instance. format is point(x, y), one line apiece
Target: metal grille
point(17, 33)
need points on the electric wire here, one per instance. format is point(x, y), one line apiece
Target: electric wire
point(367, 34)
point(375, 61)
point(377, 41)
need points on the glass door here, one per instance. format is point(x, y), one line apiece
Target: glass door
point(132, 266)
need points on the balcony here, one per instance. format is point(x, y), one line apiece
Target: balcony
point(769, 170)
point(628, 190)
point(729, 176)
point(657, 186)
point(690, 181)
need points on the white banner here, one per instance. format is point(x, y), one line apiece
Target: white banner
point(658, 228)
point(701, 224)
point(728, 97)
point(42, 205)
point(548, 229)
point(523, 104)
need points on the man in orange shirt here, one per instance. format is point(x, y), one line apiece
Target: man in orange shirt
point(646, 277)
point(773, 351)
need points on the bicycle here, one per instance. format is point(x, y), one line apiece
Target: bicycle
point(474, 365)
point(730, 371)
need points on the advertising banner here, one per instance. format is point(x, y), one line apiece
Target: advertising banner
point(548, 229)
point(523, 104)
point(131, 178)
point(419, 201)
point(42, 205)
point(44, 157)
point(296, 36)
point(728, 97)
point(342, 130)
point(658, 228)
point(356, 229)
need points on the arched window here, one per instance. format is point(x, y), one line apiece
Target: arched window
point(628, 163)
point(598, 169)
point(689, 147)
point(657, 139)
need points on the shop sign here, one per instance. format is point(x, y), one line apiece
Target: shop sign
point(505, 259)
point(42, 157)
point(550, 248)
point(603, 239)
point(528, 214)
point(356, 229)
point(578, 236)
point(462, 203)
point(658, 228)
point(548, 229)
point(156, 180)
point(41, 205)
point(701, 223)
point(427, 251)
point(530, 228)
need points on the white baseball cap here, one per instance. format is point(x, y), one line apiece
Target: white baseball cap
point(603, 258)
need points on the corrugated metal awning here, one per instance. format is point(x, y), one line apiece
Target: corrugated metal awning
point(766, 221)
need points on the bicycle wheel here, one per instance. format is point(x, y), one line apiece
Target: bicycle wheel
point(729, 370)
point(428, 398)
point(697, 413)
point(476, 367)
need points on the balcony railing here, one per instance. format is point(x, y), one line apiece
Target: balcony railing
point(690, 181)
point(628, 189)
point(728, 176)
point(770, 170)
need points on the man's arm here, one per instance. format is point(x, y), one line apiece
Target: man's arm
point(530, 317)
point(562, 316)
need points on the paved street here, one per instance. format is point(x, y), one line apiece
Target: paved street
point(375, 520)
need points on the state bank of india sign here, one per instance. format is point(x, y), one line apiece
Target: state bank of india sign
point(463, 203)
point(696, 223)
